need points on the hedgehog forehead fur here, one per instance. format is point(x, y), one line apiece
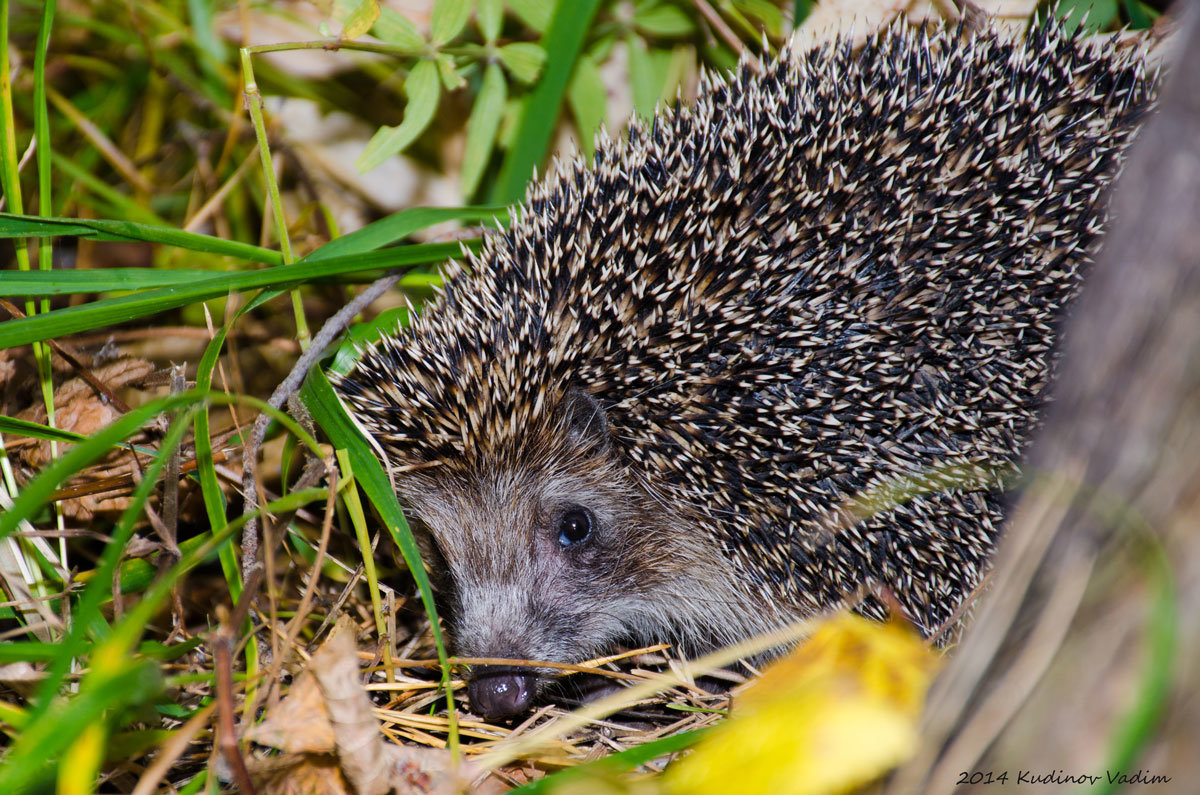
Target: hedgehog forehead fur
point(836, 269)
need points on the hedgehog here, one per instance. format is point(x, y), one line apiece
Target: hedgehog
point(653, 408)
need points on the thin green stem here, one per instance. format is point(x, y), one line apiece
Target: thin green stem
point(359, 519)
point(333, 45)
point(41, 132)
point(10, 179)
point(255, 105)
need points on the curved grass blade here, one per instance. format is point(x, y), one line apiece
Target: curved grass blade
point(400, 225)
point(210, 489)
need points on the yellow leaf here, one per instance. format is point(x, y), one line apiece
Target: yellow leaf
point(356, 16)
point(836, 714)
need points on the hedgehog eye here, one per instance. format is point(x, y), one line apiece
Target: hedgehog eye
point(574, 526)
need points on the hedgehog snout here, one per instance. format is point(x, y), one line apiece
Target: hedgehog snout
point(500, 691)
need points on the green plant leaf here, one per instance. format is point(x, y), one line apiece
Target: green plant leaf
point(490, 16)
point(766, 12)
point(482, 126)
point(1092, 15)
point(563, 43)
point(534, 13)
point(361, 335)
point(423, 89)
point(648, 71)
point(523, 59)
point(449, 18)
point(395, 29)
point(664, 20)
point(451, 79)
point(588, 98)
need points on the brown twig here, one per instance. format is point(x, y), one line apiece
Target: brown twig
point(328, 333)
point(120, 484)
point(171, 750)
point(723, 30)
point(227, 742)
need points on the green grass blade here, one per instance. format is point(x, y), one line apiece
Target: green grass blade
point(563, 44)
point(100, 280)
point(210, 488)
point(28, 762)
point(13, 225)
point(35, 430)
point(1138, 728)
point(100, 314)
point(41, 127)
point(322, 402)
point(31, 651)
point(398, 226)
point(621, 762)
point(87, 610)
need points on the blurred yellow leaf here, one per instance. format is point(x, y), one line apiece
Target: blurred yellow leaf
point(836, 714)
point(356, 16)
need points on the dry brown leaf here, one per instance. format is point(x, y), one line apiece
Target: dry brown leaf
point(355, 727)
point(311, 775)
point(298, 724)
point(328, 715)
point(77, 408)
point(7, 368)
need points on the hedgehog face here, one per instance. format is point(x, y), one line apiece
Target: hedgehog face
point(530, 571)
point(548, 552)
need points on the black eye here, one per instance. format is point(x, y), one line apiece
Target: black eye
point(574, 526)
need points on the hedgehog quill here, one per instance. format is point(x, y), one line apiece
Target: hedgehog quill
point(636, 415)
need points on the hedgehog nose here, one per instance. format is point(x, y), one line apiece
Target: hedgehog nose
point(499, 692)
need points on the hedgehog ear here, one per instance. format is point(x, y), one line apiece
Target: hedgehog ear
point(586, 424)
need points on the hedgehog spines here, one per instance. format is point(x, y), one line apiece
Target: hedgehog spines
point(832, 271)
